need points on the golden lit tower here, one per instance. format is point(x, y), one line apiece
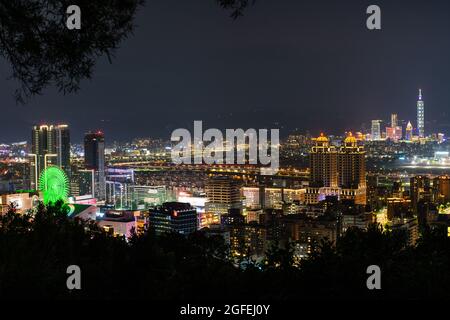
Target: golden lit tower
point(323, 164)
point(337, 172)
point(352, 169)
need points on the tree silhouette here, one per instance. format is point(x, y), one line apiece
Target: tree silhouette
point(36, 249)
point(42, 52)
point(236, 7)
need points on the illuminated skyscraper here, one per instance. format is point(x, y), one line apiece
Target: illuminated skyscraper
point(421, 115)
point(337, 172)
point(376, 129)
point(50, 145)
point(62, 143)
point(222, 193)
point(351, 164)
point(394, 132)
point(94, 150)
point(352, 170)
point(409, 131)
point(394, 120)
point(323, 164)
point(94, 159)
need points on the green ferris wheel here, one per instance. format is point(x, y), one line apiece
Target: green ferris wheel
point(54, 184)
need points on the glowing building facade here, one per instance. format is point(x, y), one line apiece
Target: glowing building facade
point(351, 164)
point(323, 164)
point(376, 130)
point(409, 132)
point(394, 132)
point(50, 145)
point(173, 217)
point(339, 172)
point(421, 115)
point(143, 197)
point(222, 193)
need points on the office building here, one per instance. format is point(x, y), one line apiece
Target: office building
point(394, 120)
point(82, 182)
point(376, 130)
point(251, 197)
point(394, 132)
point(173, 217)
point(143, 197)
point(94, 159)
point(222, 193)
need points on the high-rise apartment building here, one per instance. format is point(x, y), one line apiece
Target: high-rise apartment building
point(337, 172)
point(323, 164)
point(50, 145)
point(351, 164)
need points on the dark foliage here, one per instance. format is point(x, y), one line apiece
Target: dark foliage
point(42, 52)
point(237, 7)
point(35, 251)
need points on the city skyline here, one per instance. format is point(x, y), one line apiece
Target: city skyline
point(276, 67)
point(265, 152)
point(366, 127)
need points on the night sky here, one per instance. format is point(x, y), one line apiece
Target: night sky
point(311, 65)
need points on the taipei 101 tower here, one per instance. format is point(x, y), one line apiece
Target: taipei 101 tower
point(421, 115)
